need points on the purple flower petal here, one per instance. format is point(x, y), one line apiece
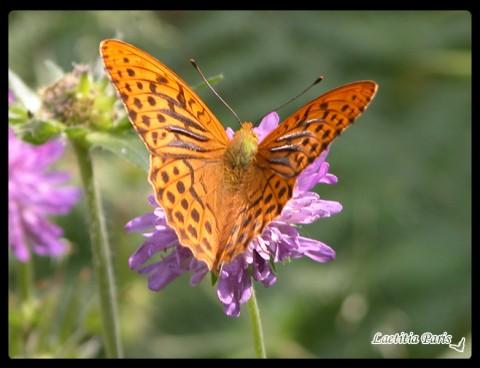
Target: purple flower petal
point(151, 201)
point(232, 309)
point(267, 125)
point(316, 250)
point(161, 273)
point(234, 286)
point(141, 223)
point(150, 247)
point(199, 270)
point(313, 173)
point(307, 208)
point(262, 271)
point(224, 291)
point(33, 194)
point(164, 273)
point(328, 179)
point(230, 133)
point(16, 236)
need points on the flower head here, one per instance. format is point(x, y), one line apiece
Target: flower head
point(33, 194)
point(279, 241)
point(78, 99)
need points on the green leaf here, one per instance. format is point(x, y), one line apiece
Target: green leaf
point(121, 124)
point(84, 85)
point(18, 115)
point(102, 84)
point(39, 131)
point(28, 97)
point(104, 103)
point(76, 132)
point(127, 146)
point(214, 278)
point(212, 80)
point(272, 265)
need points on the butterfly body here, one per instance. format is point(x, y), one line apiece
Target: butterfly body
point(240, 155)
point(219, 194)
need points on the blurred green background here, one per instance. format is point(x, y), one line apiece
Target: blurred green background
point(403, 239)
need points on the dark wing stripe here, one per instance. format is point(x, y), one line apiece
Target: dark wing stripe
point(187, 121)
point(186, 145)
point(294, 135)
point(284, 161)
point(260, 197)
point(187, 133)
point(286, 148)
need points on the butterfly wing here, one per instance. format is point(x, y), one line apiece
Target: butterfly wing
point(287, 151)
point(300, 138)
point(262, 200)
point(185, 140)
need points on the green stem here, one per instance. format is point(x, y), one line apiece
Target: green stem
point(253, 311)
point(100, 253)
point(26, 280)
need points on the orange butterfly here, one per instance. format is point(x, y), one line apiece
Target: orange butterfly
point(218, 194)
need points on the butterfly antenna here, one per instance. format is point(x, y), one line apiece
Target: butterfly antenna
point(194, 63)
point(318, 80)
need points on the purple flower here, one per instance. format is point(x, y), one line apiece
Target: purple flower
point(279, 241)
point(33, 194)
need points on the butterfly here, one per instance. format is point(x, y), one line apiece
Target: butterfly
point(219, 194)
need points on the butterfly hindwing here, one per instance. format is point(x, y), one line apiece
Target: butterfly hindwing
point(264, 200)
point(185, 188)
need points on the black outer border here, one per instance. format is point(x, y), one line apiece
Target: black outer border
point(147, 5)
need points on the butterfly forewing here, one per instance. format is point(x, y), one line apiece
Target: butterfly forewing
point(185, 140)
point(169, 116)
point(285, 152)
point(301, 137)
point(296, 143)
